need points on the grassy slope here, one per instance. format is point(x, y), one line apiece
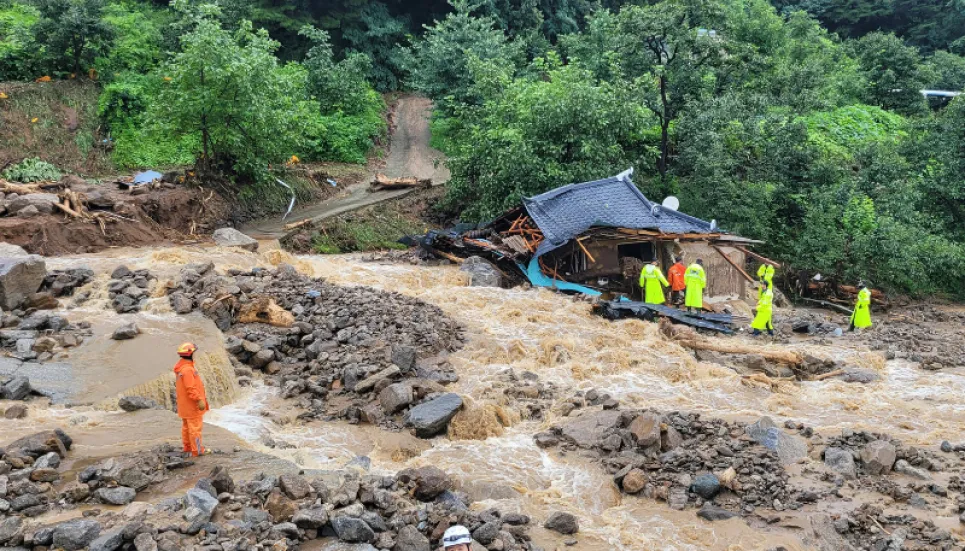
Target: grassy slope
point(65, 132)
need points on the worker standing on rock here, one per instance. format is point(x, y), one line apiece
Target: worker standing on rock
point(678, 282)
point(696, 280)
point(861, 317)
point(765, 313)
point(457, 538)
point(192, 400)
point(651, 280)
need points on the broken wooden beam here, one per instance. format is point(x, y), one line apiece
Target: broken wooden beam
point(734, 264)
point(759, 257)
point(382, 182)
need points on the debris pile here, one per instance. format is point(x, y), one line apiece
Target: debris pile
point(351, 352)
point(930, 336)
point(868, 527)
point(409, 511)
point(40, 335)
point(28, 470)
point(129, 290)
point(63, 283)
point(685, 460)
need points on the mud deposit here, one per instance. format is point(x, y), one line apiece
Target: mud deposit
point(530, 363)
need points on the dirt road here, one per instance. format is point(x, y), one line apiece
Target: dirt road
point(409, 155)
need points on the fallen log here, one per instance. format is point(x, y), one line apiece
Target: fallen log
point(19, 189)
point(831, 305)
point(382, 182)
point(828, 375)
point(688, 338)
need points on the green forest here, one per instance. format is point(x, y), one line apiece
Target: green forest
point(800, 123)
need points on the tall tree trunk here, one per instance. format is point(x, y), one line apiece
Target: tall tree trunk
point(664, 131)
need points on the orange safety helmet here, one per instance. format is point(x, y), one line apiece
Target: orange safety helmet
point(187, 350)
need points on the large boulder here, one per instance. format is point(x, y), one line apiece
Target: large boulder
point(20, 277)
point(395, 397)
point(432, 417)
point(411, 539)
point(42, 443)
point(17, 388)
point(109, 541)
point(202, 501)
point(841, 461)
point(352, 530)
point(585, 430)
point(294, 486)
point(481, 272)
point(878, 457)
point(118, 495)
point(76, 534)
point(10, 529)
point(429, 481)
point(43, 202)
point(126, 332)
point(230, 237)
point(789, 449)
point(8, 250)
point(646, 429)
point(564, 523)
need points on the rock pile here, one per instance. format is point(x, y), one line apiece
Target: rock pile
point(685, 460)
point(868, 528)
point(28, 469)
point(930, 336)
point(129, 290)
point(39, 335)
point(63, 283)
point(864, 453)
point(351, 352)
point(406, 512)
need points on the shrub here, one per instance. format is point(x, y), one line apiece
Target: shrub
point(32, 170)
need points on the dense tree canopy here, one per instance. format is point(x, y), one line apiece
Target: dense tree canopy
point(797, 122)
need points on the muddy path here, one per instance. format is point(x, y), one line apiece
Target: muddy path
point(409, 155)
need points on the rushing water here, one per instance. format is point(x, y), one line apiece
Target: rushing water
point(557, 338)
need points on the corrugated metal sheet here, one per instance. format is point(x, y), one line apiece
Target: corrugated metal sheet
point(566, 212)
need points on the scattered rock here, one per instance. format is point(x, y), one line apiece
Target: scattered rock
point(119, 495)
point(841, 461)
point(352, 530)
point(126, 332)
point(134, 403)
point(707, 486)
point(790, 449)
point(20, 277)
point(75, 535)
point(16, 411)
point(878, 457)
point(230, 237)
point(432, 417)
point(713, 513)
point(564, 523)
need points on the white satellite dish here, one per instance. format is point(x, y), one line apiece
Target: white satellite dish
point(671, 203)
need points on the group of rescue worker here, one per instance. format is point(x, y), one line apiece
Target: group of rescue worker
point(687, 287)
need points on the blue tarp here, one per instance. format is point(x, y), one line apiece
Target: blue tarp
point(146, 177)
point(539, 279)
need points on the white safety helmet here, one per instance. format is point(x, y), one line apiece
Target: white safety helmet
point(456, 535)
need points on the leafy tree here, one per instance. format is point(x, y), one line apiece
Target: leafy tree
point(73, 32)
point(340, 86)
point(382, 37)
point(947, 70)
point(669, 49)
point(536, 134)
point(228, 89)
point(944, 181)
point(138, 41)
point(439, 62)
point(893, 72)
point(19, 55)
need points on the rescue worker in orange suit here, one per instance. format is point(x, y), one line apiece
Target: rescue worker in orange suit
point(192, 401)
point(677, 282)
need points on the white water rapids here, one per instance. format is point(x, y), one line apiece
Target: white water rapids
point(557, 338)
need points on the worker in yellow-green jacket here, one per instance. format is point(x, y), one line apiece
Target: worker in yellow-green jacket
point(861, 317)
point(763, 321)
point(765, 273)
point(696, 280)
point(651, 279)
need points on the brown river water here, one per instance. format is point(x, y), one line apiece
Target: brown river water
point(551, 335)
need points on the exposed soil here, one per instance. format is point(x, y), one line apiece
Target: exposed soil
point(66, 132)
point(158, 216)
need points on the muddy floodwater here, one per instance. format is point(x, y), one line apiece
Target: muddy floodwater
point(551, 335)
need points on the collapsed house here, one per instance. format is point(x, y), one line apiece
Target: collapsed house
point(595, 237)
